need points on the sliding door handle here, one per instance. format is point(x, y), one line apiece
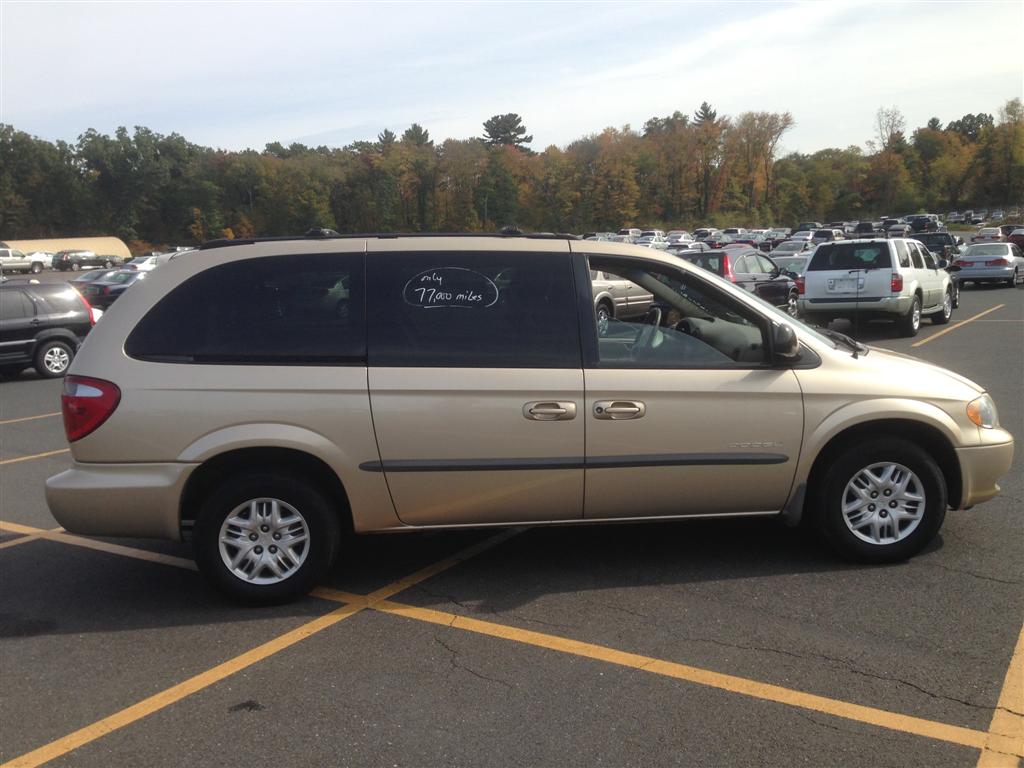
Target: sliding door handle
point(549, 410)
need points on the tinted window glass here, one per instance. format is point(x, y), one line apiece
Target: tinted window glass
point(688, 324)
point(902, 253)
point(915, 255)
point(850, 256)
point(14, 305)
point(279, 309)
point(495, 310)
point(929, 261)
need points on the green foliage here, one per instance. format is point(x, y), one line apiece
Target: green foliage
point(679, 172)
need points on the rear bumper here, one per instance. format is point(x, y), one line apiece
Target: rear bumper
point(985, 273)
point(119, 499)
point(885, 305)
point(980, 468)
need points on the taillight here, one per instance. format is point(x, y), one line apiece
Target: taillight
point(801, 286)
point(961, 263)
point(88, 308)
point(896, 284)
point(727, 269)
point(106, 290)
point(86, 403)
point(998, 263)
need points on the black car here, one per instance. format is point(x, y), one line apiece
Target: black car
point(76, 259)
point(867, 229)
point(41, 325)
point(753, 271)
point(104, 292)
point(81, 280)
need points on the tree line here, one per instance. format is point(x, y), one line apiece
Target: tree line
point(677, 171)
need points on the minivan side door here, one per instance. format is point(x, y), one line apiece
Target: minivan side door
point(690, 418)
point(476, 380)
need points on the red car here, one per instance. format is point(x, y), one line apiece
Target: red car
point(1016, 237)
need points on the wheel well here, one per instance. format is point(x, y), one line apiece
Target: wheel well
point(927, 437)
point(213, 471)
point(607, 303)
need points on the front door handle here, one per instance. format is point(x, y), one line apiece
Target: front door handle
point(549, 410)
point(619, 410)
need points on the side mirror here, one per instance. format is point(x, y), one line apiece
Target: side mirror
point(785, 345)
point(943, 264)
point(959, 241)
point(775, 272)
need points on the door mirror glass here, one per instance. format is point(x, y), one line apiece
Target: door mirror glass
point(785, 345)
point(943, 263)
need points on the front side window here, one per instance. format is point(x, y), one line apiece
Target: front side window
point(473, 310)
point(303, 309)
point(688, 324)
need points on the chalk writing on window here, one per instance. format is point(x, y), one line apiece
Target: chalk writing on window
point(450, 287)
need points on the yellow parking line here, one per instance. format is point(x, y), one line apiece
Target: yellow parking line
point(28, 534)
point(60, 535)
point(29, 418)
point(1008, 719)
point(34, 456)
point(953, 327)
point(15, 542)
point(753, 688)
point(205, 679)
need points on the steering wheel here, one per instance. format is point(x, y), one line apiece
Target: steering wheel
point(651, 322)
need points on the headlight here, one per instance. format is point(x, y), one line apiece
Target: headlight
point(982, 411)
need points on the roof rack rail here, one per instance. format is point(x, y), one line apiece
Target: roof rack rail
point(330, 234)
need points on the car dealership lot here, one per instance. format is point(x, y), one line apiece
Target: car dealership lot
point(701, 643)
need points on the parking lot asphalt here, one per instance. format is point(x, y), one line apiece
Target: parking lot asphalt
point(703, 643)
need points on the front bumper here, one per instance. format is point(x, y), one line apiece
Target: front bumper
point(980, 468)
point(140, 500)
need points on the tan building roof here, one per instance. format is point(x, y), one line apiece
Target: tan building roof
point(101, 246)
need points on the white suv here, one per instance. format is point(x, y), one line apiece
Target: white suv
point(895, 278)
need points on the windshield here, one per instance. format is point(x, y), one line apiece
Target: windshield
point(850, 256)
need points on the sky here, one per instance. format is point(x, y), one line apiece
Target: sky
point(241, 74)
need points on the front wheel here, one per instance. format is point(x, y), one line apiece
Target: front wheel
point(75, 266)
point(792, 309)
point(881, 501)
point(910, 323)
point(943, 315)
point(108, 264)
point(266, 538)
point(36, 268)
point(604, 316)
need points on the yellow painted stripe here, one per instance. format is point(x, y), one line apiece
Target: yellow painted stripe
point(177, 692)
point(29, 418)
point(753, 688)
point(16, 542)
point(61, 536)
point(1008, 719)
point(953, 327)
point(34, 456)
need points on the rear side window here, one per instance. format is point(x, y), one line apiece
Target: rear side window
point(472, 310)
point(712, 262)
point(902, 253)
point(915, 255)
point(305, 309)
point(831, 256)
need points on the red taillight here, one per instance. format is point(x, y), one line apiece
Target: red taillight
point(801, 286)
point(88, 308)
point(998, 263)
point(86, 403)
point(727, 269)
point(106, 290)
point(961, 263)
point(896, 284)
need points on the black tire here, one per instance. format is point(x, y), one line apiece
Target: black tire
point(305, 497)
point(36, 268)
point(53, 358)
point(832, 489)
point(107, 264)
point(956, 296)
point(1012, 282)
point(910, 323)
point(942, 316)
point(792, 308)
point(75, 266)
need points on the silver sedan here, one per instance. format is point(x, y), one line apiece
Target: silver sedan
point(992, 263)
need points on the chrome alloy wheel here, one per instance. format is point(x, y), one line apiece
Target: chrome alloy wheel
point(264, 541)
point(947, 305)
point(883, 503)
point(916, 321)
point(791, 306)
point(56, 360)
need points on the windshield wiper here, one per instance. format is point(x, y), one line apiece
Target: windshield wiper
point(857, 347)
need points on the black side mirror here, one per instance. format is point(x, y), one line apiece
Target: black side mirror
point(775, 272)
point(943, 264)
point(959, 241)
point(785, 345)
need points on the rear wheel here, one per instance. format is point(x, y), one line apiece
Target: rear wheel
point(910, 323)
point(266, 538)
point(36, 268)
point(943, 315)
point(792, 309)
point(881, 501)
point(604, 316)
point(107, 264)
point(53, 358)
point(75, 266)
point(1012, 282)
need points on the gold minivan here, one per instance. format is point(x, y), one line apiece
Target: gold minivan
point(264, 397)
